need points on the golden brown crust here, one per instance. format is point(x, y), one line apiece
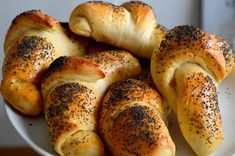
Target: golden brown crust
point(139, 11)
point(198, 113)
point(72, 90)
point(33, 41)
point(112, 61)
point(161, 32)
point(17, 92)
point(39, 17)
point(129, 91)
point(185, 44)
point(131, 132)
point(108, 61)
point(29, 57)
point(32, 19)
point(131, 120)
point(66, 66)
point(227, 52)
point(81, 140)
point(212, 48)
point(75, 64)
point(187, 69)
point(23, 68)
point(131, 26)
point(68, 102)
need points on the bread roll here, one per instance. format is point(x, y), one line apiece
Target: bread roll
point(187, 69)
point(72, 90)
point(33, 41)
point(131, 26)
point(132, 120)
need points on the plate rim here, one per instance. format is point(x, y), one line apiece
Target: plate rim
point(30, 143)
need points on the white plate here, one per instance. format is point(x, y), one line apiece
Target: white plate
point(34, 130)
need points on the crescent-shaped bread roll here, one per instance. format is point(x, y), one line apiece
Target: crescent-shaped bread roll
point(187, 69)
point(72, 90)
point(33, 41)
point(131, 26)
point(132, 120)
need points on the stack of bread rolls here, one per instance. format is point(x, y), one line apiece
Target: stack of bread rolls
point(83, 76)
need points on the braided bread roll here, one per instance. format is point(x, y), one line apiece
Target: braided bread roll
point(132, 120)
point(72, 90)
point(131, 26)
point(32, 42)
point(187, 69)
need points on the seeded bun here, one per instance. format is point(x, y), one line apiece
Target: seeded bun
point(33, 41)
point(132, 120)
point(187, 69)
point(72, 90)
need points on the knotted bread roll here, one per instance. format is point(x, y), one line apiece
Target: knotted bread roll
point(72, 90)
point(187, 69)
point(132, 120)
point(32, 42)
point(131, 26)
